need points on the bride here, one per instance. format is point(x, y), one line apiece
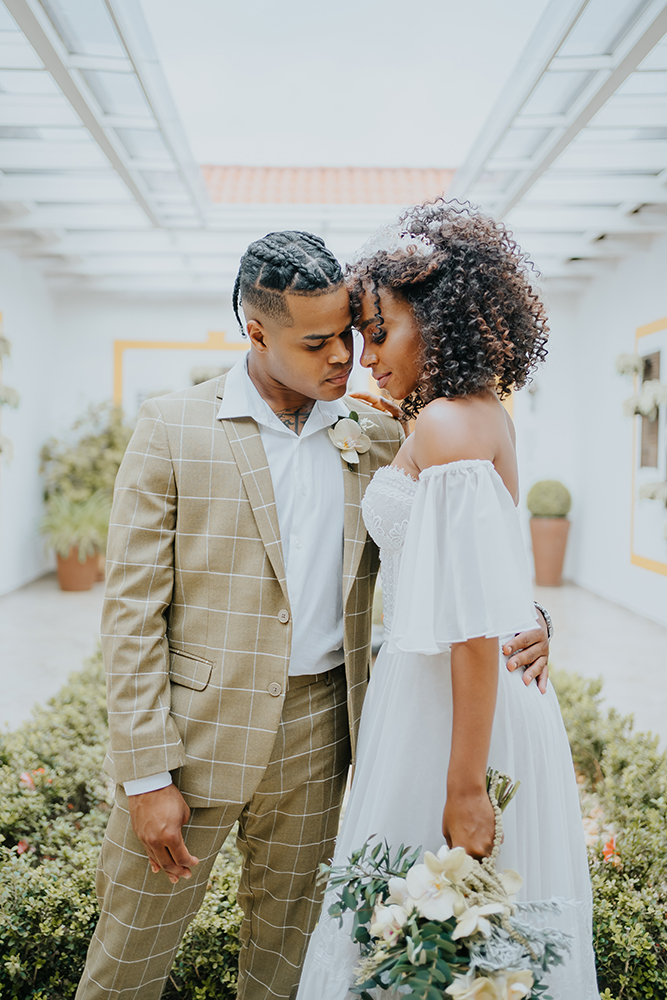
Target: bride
point(451, 325)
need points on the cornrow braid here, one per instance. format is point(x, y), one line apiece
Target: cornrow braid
point(293, 261)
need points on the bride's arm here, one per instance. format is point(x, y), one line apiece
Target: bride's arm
point(468, 820)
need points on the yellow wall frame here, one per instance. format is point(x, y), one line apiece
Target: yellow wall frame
point(216, 341)
point(637, 560)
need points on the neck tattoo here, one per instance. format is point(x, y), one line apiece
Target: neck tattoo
point(296, 419)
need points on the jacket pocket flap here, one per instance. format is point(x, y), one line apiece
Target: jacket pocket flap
point(189, 670)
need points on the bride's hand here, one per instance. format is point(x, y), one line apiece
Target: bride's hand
point(468, 821)
point(380, 403)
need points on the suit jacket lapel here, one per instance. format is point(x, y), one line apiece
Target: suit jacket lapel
point(356, 480)
point(248, 450)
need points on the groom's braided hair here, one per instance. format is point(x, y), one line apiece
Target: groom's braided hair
point(472, 296)
point(291, 261)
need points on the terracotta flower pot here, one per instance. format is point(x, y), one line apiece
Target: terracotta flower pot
point(75, 575)
point(549, 536)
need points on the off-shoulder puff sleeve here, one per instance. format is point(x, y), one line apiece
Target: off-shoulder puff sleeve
point(464, 571)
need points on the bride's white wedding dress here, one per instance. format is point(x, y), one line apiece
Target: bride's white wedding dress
point(454, 567)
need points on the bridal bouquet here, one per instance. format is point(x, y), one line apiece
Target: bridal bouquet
point(445, 928)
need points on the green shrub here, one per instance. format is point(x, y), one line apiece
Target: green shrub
point(54, 805)
point(90, 463)
point(627, 773)
point(549, 498)
point(55, 800)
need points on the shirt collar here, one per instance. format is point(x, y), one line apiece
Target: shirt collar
point(241, 399)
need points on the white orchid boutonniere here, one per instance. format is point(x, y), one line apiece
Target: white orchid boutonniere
point(348, 435)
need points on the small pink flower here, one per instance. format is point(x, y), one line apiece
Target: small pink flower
point(26, 781)
point(22, 846)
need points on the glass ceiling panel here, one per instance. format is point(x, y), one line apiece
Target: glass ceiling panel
point(65, 134)
point(555, 93)
point(19, 81)
point(7, 22)
point(158, 180)
point(645, 83)
point(601, 27)
point(11, 132)
point(142, 144)
point(85, 27)
point(118, 93)
point(519, 143)
point(656, 59)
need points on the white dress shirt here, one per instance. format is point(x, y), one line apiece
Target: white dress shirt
point(307, 475)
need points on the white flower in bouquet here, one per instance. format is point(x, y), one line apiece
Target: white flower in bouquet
point(388, 922)
point(347, 434)
point(399, 893)
point(433, 884)
point(473, 920)
point(516, 985)
point(511, 881)
point(471, 988)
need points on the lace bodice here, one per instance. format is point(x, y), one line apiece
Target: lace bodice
point(386, 510)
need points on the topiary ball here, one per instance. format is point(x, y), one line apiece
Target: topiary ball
point(549, 498)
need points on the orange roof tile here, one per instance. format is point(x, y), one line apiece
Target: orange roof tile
point(325, 185)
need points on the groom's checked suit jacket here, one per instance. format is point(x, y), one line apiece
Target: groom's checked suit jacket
point(196, 627)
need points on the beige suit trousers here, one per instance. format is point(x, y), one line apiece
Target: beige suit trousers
point(286, 829)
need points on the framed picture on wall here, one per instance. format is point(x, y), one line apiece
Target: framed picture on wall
point(146, 368)
point(649, 516)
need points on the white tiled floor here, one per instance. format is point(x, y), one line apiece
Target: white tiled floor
point(45, 634)
point(597, 638)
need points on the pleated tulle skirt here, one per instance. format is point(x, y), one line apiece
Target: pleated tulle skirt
point(399, 790)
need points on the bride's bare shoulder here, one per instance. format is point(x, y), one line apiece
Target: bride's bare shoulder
point(449, 430)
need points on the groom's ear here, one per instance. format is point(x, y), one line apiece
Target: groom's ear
point(256, 335)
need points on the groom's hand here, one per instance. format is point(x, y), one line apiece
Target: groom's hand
point(157, 818)
point(530, 650)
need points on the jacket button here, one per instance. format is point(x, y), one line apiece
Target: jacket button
point(283, 616)
point(275, 689)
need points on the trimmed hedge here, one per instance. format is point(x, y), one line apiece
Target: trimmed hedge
point(55, 801)
point(54, 805)
point(625, 774)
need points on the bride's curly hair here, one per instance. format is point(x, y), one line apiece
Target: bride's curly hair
point(471, 294)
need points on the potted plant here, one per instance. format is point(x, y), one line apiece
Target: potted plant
point(549, 502)
point(77, 530)
point(89, 464)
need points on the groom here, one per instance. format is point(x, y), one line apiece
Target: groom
point(236, 634)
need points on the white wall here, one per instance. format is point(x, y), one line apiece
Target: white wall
point(573, 428)
point(88, 324)
point(29, 324)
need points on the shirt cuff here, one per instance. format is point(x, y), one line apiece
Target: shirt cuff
point(151, 783)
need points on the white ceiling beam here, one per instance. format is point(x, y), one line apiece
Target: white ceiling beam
point(591, 189)
point(539, 121)
point(100, 64)
point(580, 64)
point(171, 284)
point(40, 115)
point(649, 29)
point(81, 217)
point(131, 25)
point(601, 156)
point(566, 245)
point(634, 114)
point(19, 57)
point(529, 218)
point(63, 187)
point(574, 269)
point(32, 20)
point(129, 121)
point(32, 154)
point(604, 156)
point(551, 31)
